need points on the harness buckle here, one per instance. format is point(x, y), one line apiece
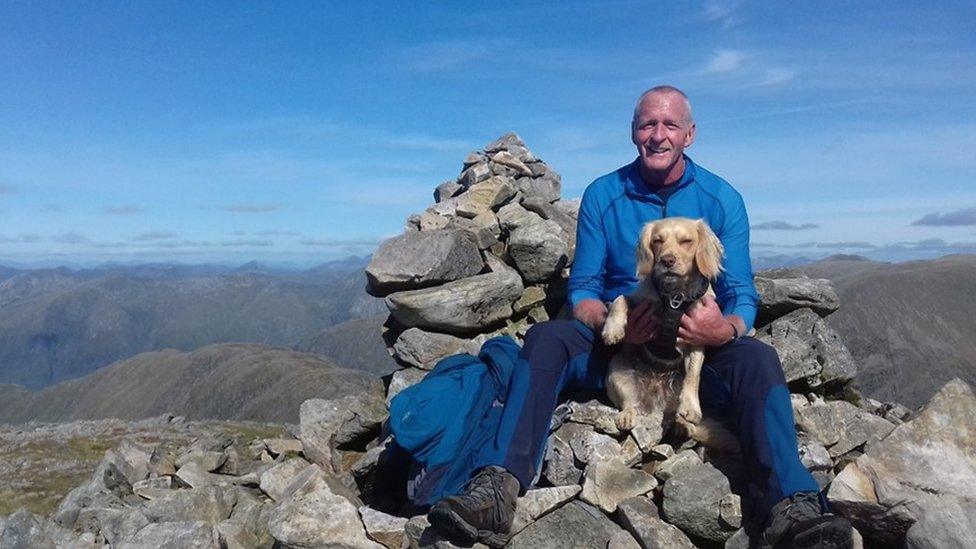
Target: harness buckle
point(676, 299)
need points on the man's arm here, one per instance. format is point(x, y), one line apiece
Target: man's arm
point(586, 277)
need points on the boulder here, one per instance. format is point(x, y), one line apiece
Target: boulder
point(781, 296)
point(382, 528)
point(540, 501)
point(422, 258)
point(546, 187)
point(511, 216)
point(174, 535)
point(694, 500)
point(923, 473)
point(539, 250)
point(511, 143)
point(811, 351)
point(402, 379)
point(458, 307)
point(211, 504)
point(608, 483)
point(276, 480)
point(485, 196)
point(483, 228)
point(316, 515)
point(640, 517)
point(840, 426)
point(574, 525)
point(423, 349)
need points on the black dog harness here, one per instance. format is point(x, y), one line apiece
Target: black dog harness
point(676, 296)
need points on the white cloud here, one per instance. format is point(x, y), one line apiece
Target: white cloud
point(723, 61)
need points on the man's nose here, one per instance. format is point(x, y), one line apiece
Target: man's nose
point(657, 133)
point(668, 260)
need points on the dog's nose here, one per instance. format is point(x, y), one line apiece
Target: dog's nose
point(668, 260)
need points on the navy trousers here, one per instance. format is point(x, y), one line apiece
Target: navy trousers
point(742, 381)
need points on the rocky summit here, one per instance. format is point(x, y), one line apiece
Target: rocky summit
point(489, 257)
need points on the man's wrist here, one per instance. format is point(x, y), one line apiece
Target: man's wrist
point(735, 332)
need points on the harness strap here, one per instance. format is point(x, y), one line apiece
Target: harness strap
point(675, 301)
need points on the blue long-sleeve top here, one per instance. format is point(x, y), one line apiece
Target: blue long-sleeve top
point(616, 206)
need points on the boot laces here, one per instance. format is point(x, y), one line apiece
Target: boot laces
point(803, 506)
point(485, 490)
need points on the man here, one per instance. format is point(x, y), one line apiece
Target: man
point(742, 378)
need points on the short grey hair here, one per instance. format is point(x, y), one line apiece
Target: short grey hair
point(664, 88)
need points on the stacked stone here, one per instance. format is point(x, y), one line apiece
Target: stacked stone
point(489, 257)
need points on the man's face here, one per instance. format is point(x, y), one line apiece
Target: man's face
point(662, 130)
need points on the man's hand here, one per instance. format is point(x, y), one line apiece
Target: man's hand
point(642, 323)
point(705, 325)
point(591, 312)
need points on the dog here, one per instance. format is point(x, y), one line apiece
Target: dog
point(677, 259)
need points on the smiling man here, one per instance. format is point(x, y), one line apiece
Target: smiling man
point(742, 379)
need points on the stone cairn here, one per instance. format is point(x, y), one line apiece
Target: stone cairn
point(484, 260)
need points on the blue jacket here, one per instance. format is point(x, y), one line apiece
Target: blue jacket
point(617, 205)
point(446, 420)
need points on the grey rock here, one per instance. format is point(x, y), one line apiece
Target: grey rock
point(402, 379)
point(608, 483)
point(283, 446)
point(841, 426)
point(447, 190)
point(424, 349)
point(538, 249)
point(275, 481)
point(421, 259)
point(781, 296)
point(814, 456)
point(25, 529)
point(254, 513)
point(316, 515)
point(235, 535)
point(153, 487)
point(461, 306)
point(622, 540)
point(640, 517)
point(207, 460)
point(561, 466)
point(532, 297)
point(485, 196)
point(600, 416)
point(327, 424)
point(174, 535)
point(647, 433)
point(552, 213)
point(211, 505)
point(547, 187)
point(483, 228)
point(506, 158)
point(693, 501)
point(809, 349)
point(431, 221)
point(569, 207)
point(474, 174)
point(383, 528)
point(592, 447)
point(925, 467)
point(511, 216)
point(498, 265)
point(540, 501)
point(473, 158)
point(513, 144)
point(576, 525)
point(113, 525)
point(679, 463)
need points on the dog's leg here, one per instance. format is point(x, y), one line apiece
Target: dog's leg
point(689, 407)
point(616, 324)
point(624, 391)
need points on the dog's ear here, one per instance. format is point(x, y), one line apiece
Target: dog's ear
point(645, 254)
point(709, 254)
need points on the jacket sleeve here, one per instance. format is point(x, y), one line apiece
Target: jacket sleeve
point(586, 276)
point(734, 290)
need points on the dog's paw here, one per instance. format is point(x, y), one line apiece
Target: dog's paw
point(683, 428)
point(689, 410)
point(613, 331)
point(626, 419)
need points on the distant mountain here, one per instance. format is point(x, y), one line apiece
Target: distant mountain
point(58, 324)
point(228, 381)
point(778, 261)
point(356, 344)
point(911, 326)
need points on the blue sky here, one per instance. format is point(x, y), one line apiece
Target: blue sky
point(208, 131)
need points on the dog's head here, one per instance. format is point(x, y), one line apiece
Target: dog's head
point(678, 246)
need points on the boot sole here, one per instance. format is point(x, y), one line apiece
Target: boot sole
point(450, 523)
point(833, 534)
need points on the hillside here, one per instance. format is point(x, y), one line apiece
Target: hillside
point(58, 324)
point(356, 344)
point(910, 326)
point(227, 381)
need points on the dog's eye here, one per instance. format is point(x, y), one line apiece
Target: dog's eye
point(684, 241)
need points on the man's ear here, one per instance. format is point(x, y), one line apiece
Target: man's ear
point(709, 254)
point(690, 138)
point(645, 254)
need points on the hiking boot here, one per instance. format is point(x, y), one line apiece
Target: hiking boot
point(798, 521)
point(483, 512)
